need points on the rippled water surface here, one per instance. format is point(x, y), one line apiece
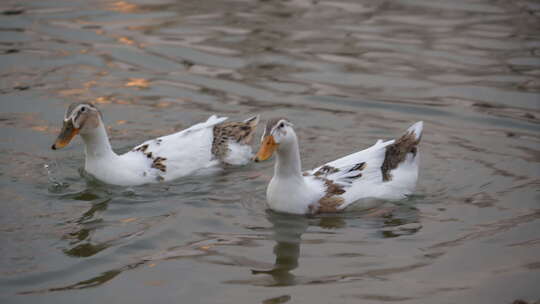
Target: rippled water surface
point(346, 73)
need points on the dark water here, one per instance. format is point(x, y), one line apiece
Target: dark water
point(346, 73)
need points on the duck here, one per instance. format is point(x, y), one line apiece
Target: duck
point(203, 147)
point(387, 170)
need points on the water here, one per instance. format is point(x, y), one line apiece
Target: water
point(346, 73)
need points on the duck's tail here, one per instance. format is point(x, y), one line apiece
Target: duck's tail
point(231, 141)
point(416, 129)
point(403, 152)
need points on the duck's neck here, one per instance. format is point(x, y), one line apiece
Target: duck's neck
point(97, 144)
point(288, 164)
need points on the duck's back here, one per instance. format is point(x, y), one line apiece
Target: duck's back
point(178, 154)
point(386, 170)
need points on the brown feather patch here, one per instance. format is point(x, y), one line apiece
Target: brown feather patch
point(333, 188)
point(240, 132)
point(330, 202)
point(158, 163)
point(358, 167)
point(142, 148)
point(397, 152)
point(325, 170)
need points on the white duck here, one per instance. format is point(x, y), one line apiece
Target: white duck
point(386, 170)
point(202, 146)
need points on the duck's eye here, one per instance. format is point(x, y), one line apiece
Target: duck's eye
point(83, 109)
point(281, 125)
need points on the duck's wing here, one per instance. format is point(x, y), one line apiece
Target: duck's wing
point(377, 161)
point(386, 169)
point(180, 153)
point(179, 140)
point(362, 165)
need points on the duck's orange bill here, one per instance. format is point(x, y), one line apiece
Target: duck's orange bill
point(267, 148)
point(65, 136)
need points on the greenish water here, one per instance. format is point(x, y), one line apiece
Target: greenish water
point(346, 73)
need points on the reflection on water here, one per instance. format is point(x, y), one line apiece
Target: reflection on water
point(287, 232)
point(81, 245)
point(346, 73)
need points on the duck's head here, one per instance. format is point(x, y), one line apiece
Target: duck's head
point(80, 118)
point(279, 134)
